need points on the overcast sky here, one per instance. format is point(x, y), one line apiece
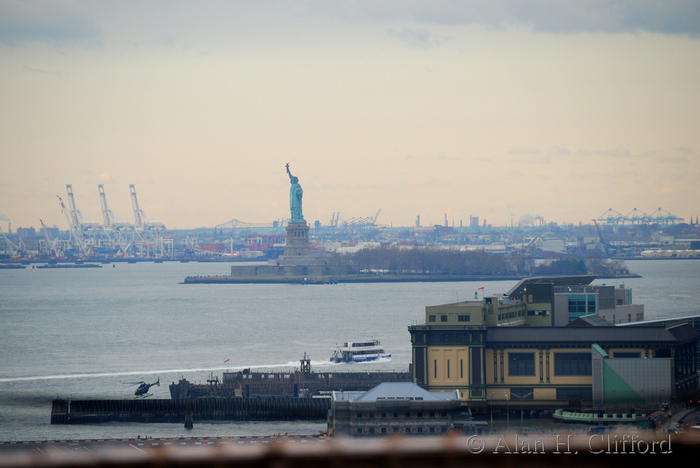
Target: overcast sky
point(498, 109)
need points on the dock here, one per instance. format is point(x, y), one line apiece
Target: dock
point(194, 410)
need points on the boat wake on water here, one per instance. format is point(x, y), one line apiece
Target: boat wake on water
point(290, 364)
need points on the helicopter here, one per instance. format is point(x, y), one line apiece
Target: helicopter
point(143, 387)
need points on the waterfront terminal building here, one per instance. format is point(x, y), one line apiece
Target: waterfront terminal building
point(527, 349)
point(393, 408)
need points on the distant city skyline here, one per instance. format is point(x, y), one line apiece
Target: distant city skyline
point(498, 109)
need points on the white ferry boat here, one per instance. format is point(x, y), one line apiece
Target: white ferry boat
point(359, 351)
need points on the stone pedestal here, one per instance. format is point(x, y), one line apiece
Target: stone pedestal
point(297, 241)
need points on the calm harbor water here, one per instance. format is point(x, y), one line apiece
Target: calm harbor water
point(85, 333)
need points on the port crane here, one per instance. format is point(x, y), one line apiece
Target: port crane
point(140, 218)
point(51, 245)
point(148, 230)
point(80, 230)
point(111, 224)
point(606, 246)
point(17, 249)
point(362, 223)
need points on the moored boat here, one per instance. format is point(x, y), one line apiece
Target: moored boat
point(359, 351)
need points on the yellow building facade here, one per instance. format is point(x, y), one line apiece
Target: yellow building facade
point(498, 353)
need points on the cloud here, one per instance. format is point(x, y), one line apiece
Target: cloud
point(49, 21)
point(557, 151)
point(551, 16)
point(434, 183)
point(42, 72)
point(615, 153)
point(580, 176)
point(104, 178)
point(539, 160)
point(620, 174)
point(444, 157)
point(524, 151)
point(62, 21)
point(683, 149)
point(420, 38)
point(674, 160)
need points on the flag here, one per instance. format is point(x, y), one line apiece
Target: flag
point(227, 360)
point(481, 287)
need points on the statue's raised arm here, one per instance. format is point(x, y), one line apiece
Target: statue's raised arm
point(288, 172)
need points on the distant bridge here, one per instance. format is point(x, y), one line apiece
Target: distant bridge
point(236, 224)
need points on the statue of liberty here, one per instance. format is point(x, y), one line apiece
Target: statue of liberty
point(295, 195)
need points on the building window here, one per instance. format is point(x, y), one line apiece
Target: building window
point(435, 368)
point(461, 368)
point(431, 318)
point(623, 354)
point(521, 364)
point(577, 306)
point(463, 318)
point(572, 364)
point(407, 430)
point(448, 368)
point(581, 393)
point(591, 304)
point(522, 393)
point(359, 415)
point(358, 430)
point(443, 318)
point(383, 430)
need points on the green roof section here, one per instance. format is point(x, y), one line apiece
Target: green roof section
point(600, 350)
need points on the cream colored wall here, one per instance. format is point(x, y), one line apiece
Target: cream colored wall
point(544, 388)
point(642, 351)
point(453, 311)
point(441, 355)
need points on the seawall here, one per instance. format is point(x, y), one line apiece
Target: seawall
point(205, 409)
